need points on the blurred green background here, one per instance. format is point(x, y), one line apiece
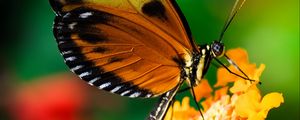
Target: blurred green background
point(267, 29)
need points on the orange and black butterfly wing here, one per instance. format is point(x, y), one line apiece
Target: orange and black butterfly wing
point(128, 47)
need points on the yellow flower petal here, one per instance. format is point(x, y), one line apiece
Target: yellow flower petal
point(169, 114)
point(272, 100)
point(247, 104)
point(182, 111)
point(176, 106)
point(185, 103)
point(269, 101)
point(259, 71)
point(256, 117)
point(240, 86)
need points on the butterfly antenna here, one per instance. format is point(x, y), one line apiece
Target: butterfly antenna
point(237, 6)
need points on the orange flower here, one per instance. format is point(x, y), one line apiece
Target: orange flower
point(242, 101)
point(203, 90)
point(240, 57)
point(182, 111)
point(250, 105)
point(210, 100)
point(241, 85)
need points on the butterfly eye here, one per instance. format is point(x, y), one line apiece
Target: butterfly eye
point(218, 49)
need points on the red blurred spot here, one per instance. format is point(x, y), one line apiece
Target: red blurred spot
point(60, 97)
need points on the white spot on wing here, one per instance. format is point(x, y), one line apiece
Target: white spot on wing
point(94, 80)
point(71, 26)
point(148, 95)
point(71, 58)
point(67, 15)
point(104, 85)
point(136, 94)
point(66, 52)
point(85, 15)
point(116, 89)
point(84, 74)
point(76, 68)
point(59, 27)
point(61, 42)
point(124, 93)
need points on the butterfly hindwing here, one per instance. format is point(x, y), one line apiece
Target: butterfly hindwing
point(127, 47)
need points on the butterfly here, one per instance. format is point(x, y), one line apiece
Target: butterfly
point(134, 48)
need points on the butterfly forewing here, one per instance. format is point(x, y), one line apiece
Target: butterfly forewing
point(128, 47)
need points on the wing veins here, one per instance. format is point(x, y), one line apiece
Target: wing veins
point(124, 65)
point(150, 32)
point(171, 78)
point(110, 55)
point(146, 72)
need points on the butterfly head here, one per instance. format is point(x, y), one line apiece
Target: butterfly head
point(217, 49)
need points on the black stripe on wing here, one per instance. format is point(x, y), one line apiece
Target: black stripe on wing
point(184, 22)
point(76, 22)
point(58, 4)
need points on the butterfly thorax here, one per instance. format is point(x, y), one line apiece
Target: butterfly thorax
point(202, 59)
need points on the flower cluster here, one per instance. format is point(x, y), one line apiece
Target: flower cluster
point(224, 101)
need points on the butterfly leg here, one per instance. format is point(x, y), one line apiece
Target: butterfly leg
point(197, 104)
point(237, 67)
point(165, 101)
